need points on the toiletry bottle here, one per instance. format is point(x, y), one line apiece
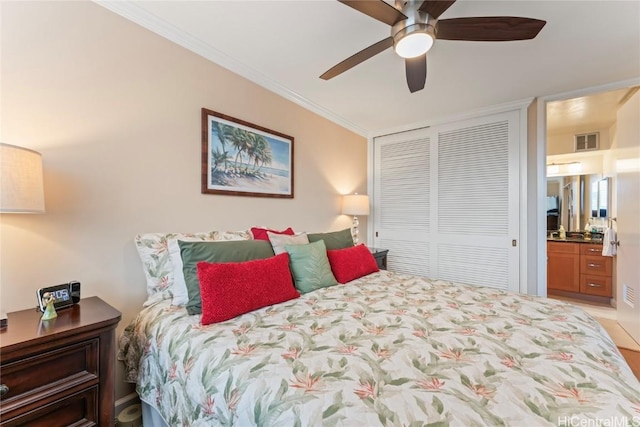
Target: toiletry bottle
point(562, 233)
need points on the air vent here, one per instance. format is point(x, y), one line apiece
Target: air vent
point(629, 295)
point(587, 141)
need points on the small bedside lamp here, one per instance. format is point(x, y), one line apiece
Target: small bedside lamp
point(355, 204)
point(21, 183)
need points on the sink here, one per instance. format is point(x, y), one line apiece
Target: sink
point(579, 235)
point(570, 235)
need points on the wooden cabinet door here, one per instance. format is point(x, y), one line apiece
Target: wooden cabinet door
point(563, 271)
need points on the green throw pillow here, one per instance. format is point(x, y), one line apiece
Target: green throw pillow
point(229, 251)
point(334, 240)
point(310, 266)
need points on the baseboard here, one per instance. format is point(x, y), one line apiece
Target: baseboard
point(126, 401)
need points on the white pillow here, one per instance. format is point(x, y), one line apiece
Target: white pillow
point(157, 265)
point(180, 295)
point(278, 241)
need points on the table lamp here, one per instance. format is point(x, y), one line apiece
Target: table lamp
point(21, 185)
point(355, 204)
point(21, 182)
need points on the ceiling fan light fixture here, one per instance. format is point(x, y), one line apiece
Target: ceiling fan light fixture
point(413, 41)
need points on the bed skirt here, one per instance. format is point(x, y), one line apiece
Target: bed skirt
point(151, 417)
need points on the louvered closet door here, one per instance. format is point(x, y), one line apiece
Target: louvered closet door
point(446, 201)
point(477, 202)
point(402, 197)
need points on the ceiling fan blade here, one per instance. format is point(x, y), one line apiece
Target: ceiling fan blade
point(416, 70)
point(435, 8)
point(489, 29)
point(359, 57)
point(377, 9)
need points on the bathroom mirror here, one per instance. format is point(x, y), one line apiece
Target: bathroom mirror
point(600, 198)
point(573, 200)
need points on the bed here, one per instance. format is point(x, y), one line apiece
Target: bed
point(385, 349)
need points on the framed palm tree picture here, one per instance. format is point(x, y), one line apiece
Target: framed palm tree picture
point(243, 159)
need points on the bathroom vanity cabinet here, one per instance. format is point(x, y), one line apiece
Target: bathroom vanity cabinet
point(579, 267)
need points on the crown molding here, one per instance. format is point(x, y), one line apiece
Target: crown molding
point(478, 112)
point(591, 90)
point(131, 11)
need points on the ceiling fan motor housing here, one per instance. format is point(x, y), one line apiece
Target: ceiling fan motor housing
point(414, 28)
point(417, 22)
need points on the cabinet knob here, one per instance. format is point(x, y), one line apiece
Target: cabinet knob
point(594, 285)
point(3, 390)
point(593, 265)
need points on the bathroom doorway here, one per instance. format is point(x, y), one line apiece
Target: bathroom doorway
point(584, 155)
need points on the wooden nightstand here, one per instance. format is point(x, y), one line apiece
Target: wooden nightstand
point(381, 257)
point(62, 371)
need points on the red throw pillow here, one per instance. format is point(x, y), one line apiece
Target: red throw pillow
point(352, 263)
point(261, 233)
point(233, 288)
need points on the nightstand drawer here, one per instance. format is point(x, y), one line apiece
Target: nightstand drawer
point(78, 410)
point(596, 285)
point(39, 377)
point(595, 265)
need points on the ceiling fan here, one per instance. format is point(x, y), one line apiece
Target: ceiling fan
point(415, 26)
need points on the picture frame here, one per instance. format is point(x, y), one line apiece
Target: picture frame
point(243, 159)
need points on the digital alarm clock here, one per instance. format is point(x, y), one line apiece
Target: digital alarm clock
point(65, 295)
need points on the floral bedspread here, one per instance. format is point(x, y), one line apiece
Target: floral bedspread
point(387, 349)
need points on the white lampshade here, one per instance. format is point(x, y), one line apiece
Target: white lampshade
point(21, 182)
point(355, 204)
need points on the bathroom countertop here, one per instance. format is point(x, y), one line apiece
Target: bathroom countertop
point(575, 240)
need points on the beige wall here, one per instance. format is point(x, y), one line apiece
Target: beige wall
point(564, 143)
point(115, 111)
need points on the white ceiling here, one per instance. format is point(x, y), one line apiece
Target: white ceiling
point(586, 113)
point(286, 45)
